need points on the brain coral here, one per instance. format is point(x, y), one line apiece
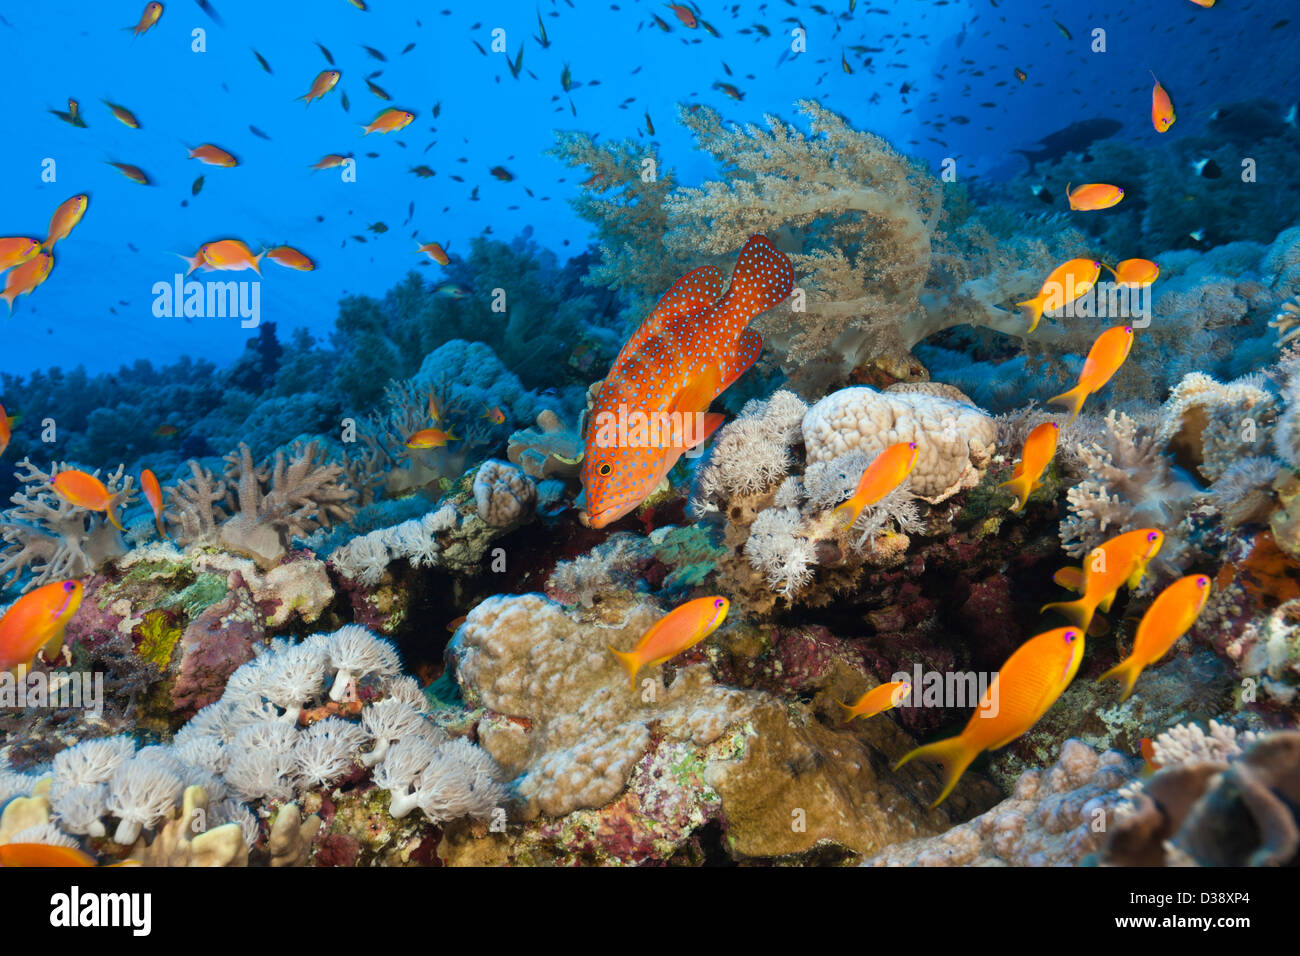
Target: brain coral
point(525, 658)
point(955, 439)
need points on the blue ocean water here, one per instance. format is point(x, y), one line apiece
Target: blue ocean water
point(193, 78)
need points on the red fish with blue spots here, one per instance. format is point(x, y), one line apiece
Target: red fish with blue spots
point(652, 406)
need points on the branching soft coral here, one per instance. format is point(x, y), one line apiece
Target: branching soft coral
point(52, 538)
point(258, 509)
point(1132, 485)
point(857, 219)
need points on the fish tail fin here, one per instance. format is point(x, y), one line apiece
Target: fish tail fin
point(631, 663)
point(954, 753)
point(846, 514)
point(1073, 400)
point(111, 513)
point(1126, 672)
point(1079, 613)
point(846, 712)
point(763, 273)
point(257, 262)
point(48, 244)
point(9, 300)
point(1033, 309)
point(1021, 486)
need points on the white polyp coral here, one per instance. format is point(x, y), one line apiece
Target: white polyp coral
point(14, 785)
point(778, 549)
point(460, 781)
point(296, 676)
point(750, 454)
point(365, 558)
point(386, 721)
point(141, 793)
point(399, 771)
point(231, 810)
point(955, 440)
point(46, 833)
point(355, 653)
point(407, 690)
point(203, 751)
point(210, 721)
point(325, 752)
point(79, 809)
point(261, 765)
point(91, 761)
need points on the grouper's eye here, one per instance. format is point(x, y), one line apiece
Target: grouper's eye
point(605, 469)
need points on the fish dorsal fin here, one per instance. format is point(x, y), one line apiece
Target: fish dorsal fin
point(689, 296)
point(763, 277)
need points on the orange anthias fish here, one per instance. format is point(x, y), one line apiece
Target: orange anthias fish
point(1206, 4)
point(1169, 617)
point(430, 438)
point(122, 115)
point(1067, 282)
point(325, 81)
point(390, 121)
point(1136, 272)
point(330, 161)
point(65, 219)
point(225, 255)
point(26, 277)
point(1093, 196)
point(690, 349)
point(43, 855)
point(1117, 563)
point(1040, 446)
point(15, 250)
point(152, 11)
point(435, 413)
point(1148, 750)
point(685, 15)
point(6, 429)
point(133, 173)
point(877, 700)
point(679, 629)
point(36, 621)
point(1104, 359)
point(495, 415)
point(1026, 687)
point(213, 156)
point(290, 258)
point(435, 252)
point(153, 495)
point(885, 473)
point(1162, 108)
point(87, 491)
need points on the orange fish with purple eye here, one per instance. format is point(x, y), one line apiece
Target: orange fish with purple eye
point(886, 472)
point(153, 494)
point(152, 12)
point(678, 630)
point(495, 415)
point(290, 258)
point(24, 279)
point(1040, 446)
point(1068, 281)
point(1120, 562)
point(87, 491)
point(1162, 108)
point(1093, 196)
point(65, 219)
point(1105, 357)
point(1170, 616)
point(1025, 688)
point(325, 81)
point(36, 622)
point(877, 700)
point(684, 14)
point(213, 156)
point(330, 161)
point(435, 252)
point(430, 438)
point(15, 250)
point(390, 121)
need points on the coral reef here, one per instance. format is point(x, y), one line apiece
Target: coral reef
point(1050, 818)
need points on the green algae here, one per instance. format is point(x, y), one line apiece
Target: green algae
point(206, 590)
point(157, 636)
